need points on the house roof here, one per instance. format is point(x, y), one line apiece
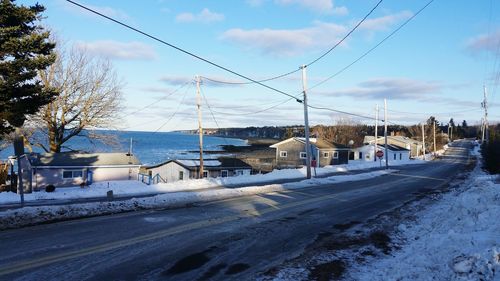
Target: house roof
point(319, 143)
point(75, 159)
point(208, 164)
point(390, 147)
point(369, 139)
point(393, 147)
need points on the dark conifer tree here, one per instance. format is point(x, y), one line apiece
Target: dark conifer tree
point(25, 48)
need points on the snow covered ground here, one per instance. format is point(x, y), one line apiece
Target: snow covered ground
point(32, 215)
point(134, 188)
point(458, 238)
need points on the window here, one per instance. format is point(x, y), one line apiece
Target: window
point(181, 175)
point(394, 156)
point(224, 173)
point(400, 156)
point(303, 155)
point(335, 155)
point(239, 172)
point(325, 154)
point(360, 155)
point(72, 174)
point(205, 174)
point(283, 154)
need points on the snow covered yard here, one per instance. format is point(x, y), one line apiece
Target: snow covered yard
point(135, 188)
point(33, 215)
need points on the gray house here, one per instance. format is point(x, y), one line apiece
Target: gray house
point(291, 153)
point(174, 170)
point(73, 169)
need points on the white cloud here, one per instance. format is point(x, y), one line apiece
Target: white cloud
point(205, 16)
point(484, 42)
point(118, 50)
point(391, 88)
point(106, 10)
point(322, 6)
point(385, 22)
point(285, 42)
point(291, 42)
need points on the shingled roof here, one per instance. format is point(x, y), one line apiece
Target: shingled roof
point(76, 159)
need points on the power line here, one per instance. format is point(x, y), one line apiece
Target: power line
point(373, 48)
point(173, 114)
point(255, 112)
point(177, 48)
point(347, 35)
point(438, 113)
point(160, 99)
point(308, 64)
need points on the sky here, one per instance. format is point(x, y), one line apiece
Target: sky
point(435, 65)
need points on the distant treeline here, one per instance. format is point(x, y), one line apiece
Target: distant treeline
point(491, 151)
point(343, 131)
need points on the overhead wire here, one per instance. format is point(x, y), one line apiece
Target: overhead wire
point(371, 49)
point(173, 114)
point(308, 64)
point(177, 48)
point(160, 99)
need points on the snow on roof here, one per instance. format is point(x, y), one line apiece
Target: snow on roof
point(194, 163)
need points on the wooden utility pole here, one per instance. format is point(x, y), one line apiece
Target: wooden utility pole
point(385, 135)
point(306, 123)
point(434, 136)
point(484, 104)
point(200, 128)
point(423, 139)
point(376, 134)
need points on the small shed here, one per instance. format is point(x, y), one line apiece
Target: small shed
point(291, 153)
point(74, 168)
point(182, 169)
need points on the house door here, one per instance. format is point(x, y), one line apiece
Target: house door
point(351, 155)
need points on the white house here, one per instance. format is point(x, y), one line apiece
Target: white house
point(367, 152)
point(174, 170)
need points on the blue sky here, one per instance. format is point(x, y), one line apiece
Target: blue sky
point(435, 65)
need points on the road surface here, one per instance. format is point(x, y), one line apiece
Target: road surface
point(224, 240)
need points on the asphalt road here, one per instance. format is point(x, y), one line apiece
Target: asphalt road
point(223, 240)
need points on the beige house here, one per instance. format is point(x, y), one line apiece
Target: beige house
point(72, 169)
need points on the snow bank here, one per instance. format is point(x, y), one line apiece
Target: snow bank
point(33, 215)
point(135, 188)
point(458, 238)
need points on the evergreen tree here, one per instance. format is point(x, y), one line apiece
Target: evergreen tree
point(24, 49)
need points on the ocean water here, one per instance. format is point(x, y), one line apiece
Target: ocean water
point(149, 147)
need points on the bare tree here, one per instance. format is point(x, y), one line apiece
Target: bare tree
point(343, 131)
point(89, 98)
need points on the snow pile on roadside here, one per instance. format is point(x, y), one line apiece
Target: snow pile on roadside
point(133, 187)
point(458, 238)
point(34, 215)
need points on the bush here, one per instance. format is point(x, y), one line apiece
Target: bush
point(491, 156)
point(50, 188)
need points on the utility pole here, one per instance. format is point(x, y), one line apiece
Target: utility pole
point(376, 134)
point(385, 135)
point(484, 104)
point(434, 136)
point(423, 139)
point(200, 128)
point(306, 122)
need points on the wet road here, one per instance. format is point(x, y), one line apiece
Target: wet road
point(224, 240)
